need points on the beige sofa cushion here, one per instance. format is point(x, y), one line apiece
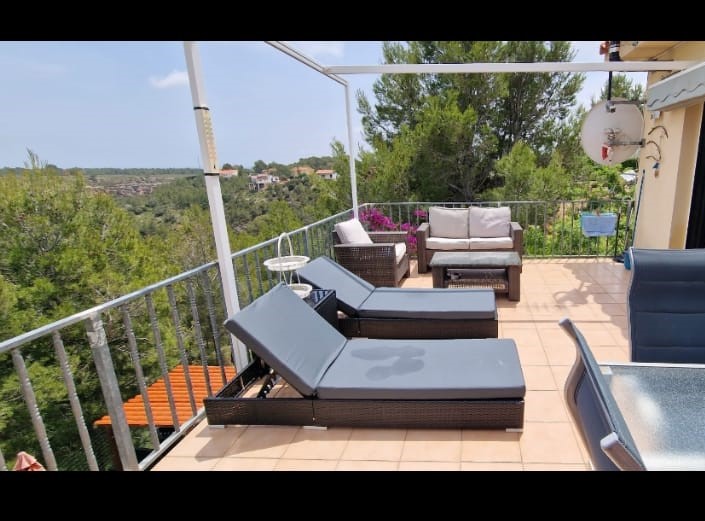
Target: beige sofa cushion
point(352, 232)
point(399, 251)
point(491, 243)
point(451, 223)
point(489, 222)
point(441, 243)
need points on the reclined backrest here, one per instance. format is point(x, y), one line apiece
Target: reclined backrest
point(289, 336)
point(350, 290)
point(666, 305)
point(595, 412)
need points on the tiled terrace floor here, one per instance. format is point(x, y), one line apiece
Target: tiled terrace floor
point(590, 291)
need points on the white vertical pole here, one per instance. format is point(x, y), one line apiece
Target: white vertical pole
point(215, 198)
point(351, 144)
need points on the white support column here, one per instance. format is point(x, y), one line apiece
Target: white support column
point(215, 197)
point(351, 153)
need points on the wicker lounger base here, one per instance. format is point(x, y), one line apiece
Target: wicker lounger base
point(418, 328)
point(427, 414)
point(229, 407)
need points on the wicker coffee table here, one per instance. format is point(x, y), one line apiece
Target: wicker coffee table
point(499, 271)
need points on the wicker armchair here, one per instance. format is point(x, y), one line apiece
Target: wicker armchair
point(376, 263)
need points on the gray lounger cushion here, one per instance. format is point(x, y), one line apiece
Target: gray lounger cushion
point(289, 336)
point(447, 303)
point(357, 298)
point(350, 290)
point(425, 370)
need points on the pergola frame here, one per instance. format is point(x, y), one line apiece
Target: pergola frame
point(206, 136)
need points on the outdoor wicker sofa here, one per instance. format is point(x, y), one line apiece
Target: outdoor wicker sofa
point(378, 257)
point(454, 383)
point(403, 312)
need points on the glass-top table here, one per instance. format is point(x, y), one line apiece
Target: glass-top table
point(664, 408)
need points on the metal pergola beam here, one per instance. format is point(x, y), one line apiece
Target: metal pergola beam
point(489, 68)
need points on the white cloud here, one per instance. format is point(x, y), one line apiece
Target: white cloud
point(320, 49)
point(173, 79)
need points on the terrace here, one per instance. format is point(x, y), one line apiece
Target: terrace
point(148, 335)
point(591, 291)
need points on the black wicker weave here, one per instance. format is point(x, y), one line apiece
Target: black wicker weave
point(376, 263)
point(230, 407)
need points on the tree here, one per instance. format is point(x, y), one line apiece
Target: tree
point(259, 166)
point(506, 108)
point(622, 87)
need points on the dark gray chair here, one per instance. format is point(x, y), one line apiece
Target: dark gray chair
point(666, 306)
point(595, 412)
point(403, 312)
point(453, 383)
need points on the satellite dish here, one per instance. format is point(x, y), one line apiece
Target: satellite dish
point(612, 131)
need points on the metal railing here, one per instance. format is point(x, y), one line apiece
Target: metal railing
point(128, 344)
point(135, 340)
point(551, 228)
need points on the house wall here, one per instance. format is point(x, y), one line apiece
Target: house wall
point(662, 221)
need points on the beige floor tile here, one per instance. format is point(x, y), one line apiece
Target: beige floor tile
point(553, 336)
point(560, 375)
point(484, 467)
point(533, 355)
point(555, 467)
point(549, 443)
point(367, 465)
point(524, 337)
point(539, 378)
point(318, 444)
point(306, 464)
point(429, 465)
point(207, 442)
point(431, 445)
point(246, 464)
point(561, 355)
point(598, 337)
point(621, 337)
point(615, 309)
point(185, 463)
point(262, 442)
point(609, 354)
point(518, 323)
point(490, 446)
point(620, 289)
point(601, 298)
point(544, 406)
point(375, 445)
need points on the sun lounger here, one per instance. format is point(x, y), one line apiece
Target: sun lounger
point(460, 383)
point(400, 312)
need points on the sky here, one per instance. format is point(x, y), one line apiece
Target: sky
point(128, 104)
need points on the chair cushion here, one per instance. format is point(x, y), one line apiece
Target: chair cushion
point(494, 243)
point(352, 232)
point(455, 369)
point(442, 243)
point(489, 222)
point(430, 304)
point(451, 223)
point(399, 251)
point(289, 336)
point(350, 290)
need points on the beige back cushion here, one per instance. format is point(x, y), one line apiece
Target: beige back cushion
point(352, 232)
point(451, 223)
point(489, 222)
